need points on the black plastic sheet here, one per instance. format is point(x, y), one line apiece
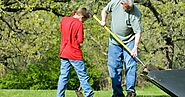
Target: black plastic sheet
point(170, 81)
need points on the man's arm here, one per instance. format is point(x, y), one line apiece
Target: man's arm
point(137, 39)
point(104, 17)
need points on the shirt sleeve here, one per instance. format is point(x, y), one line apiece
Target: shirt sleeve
point(137, 23)
point(80, 35)
point(109, 6)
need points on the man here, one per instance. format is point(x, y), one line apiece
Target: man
point(126, 24)
point(70, 52)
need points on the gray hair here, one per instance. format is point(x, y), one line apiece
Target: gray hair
point(129, 2)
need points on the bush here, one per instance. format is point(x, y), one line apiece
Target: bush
point(45, 75)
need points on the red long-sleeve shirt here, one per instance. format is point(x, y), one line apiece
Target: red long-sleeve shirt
point(72, 36)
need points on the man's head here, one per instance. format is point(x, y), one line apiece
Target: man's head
point(83, 14)
point(127, 4)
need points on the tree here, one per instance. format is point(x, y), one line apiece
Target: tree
point(166, 32)
point(30, 30)
point(24, 25)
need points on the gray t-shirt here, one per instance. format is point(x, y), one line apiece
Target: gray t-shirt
point(119, 17)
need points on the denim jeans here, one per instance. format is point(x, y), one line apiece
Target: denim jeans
point(117, 58)
point(79, 67)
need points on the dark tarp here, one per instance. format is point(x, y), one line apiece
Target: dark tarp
point(170, 81)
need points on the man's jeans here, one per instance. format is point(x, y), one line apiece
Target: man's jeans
point(79, 67)
point(117, 56)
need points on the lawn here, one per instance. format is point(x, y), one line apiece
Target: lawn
point(152, 91)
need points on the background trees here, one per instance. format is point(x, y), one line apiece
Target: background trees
point(166, 33)
point(30, 37)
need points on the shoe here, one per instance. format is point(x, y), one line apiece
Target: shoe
point(119, 95)
point(131, 94)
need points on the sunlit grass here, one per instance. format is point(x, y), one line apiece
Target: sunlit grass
point(145, 92)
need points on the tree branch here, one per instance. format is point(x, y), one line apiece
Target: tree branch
point(54, 10)
point(144, 46)
point(162, 1)
point(160, 49)
point(148, 4)
point(8, 2)
point(9, 25)
point(98, 43)
point(48, 9)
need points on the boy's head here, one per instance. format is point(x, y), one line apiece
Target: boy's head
point(83, 13)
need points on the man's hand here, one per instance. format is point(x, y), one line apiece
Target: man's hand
point(134, 52)
point(102, 23)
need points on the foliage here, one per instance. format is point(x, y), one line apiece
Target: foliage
point(162, 41)
point(37, 76)
point(45, 76)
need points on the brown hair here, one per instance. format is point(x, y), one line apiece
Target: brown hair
point(83, 12)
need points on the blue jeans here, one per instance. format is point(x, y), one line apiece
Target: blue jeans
point(117, 57)
point(79, 67)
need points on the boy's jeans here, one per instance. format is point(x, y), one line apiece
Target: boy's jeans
point(79, 67)
point(117, 56)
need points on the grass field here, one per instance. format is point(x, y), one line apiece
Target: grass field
point(146, 92)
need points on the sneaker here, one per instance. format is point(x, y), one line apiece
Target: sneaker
point(131, 94)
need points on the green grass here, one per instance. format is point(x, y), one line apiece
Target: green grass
point(146, 92)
